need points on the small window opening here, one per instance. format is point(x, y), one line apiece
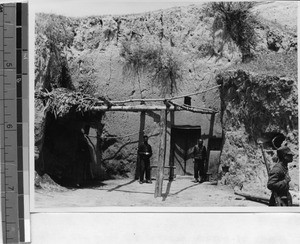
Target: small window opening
point(187, 101)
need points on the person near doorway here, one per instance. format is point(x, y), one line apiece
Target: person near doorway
point(145, 153)
point(279, 179)
point(199, 156)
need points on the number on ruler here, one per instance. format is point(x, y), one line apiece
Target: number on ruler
point(12, 188)
point(9, 126)
point(8, 65)
point(1, 8)
point(25, 56)
point(19, 80)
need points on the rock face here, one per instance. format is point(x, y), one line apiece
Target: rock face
point(124, 57)
point(256, 107)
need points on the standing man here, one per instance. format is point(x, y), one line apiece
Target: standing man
point(200, 158)
point(279, 179)
point(145, 153)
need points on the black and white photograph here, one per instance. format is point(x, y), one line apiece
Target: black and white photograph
point(172, 104)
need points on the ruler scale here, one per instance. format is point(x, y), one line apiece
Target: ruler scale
point(14, 122)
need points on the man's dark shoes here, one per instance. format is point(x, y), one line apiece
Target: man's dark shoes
point(149, 181)
point(141, 182)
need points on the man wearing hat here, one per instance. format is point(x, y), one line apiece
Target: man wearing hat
point(279, 179)
point(145, 153)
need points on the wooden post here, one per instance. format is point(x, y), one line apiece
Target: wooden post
point(161, 154)
point(141, 134)
point(210, 135)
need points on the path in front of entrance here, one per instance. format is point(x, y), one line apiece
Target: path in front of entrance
point(182, 192)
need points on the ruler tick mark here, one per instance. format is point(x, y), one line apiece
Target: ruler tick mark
point(12, 208)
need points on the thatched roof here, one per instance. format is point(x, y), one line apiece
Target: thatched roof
point(63, 102)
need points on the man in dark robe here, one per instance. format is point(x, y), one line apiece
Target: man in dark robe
point(199, 157)
point(145, 153)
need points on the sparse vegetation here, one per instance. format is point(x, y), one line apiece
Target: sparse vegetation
point(235, 22)
point(53, 35)
point(57, 29)
point(162, 63)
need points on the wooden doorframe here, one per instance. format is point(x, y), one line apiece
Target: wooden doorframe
point(172, 147)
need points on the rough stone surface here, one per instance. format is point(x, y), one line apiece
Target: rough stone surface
point(256, 108)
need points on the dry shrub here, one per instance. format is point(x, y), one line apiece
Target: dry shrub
point(58, 30)
point(162, 63)
point(63, 103)
point(53, 35)
point(234, 21)
point(167, 71)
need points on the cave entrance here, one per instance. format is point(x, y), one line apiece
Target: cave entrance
point(183, 139)
point(66, 156)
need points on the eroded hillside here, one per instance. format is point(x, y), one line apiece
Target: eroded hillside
point(257, 99)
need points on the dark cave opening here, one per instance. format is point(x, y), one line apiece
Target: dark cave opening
point(273, 139)
point(65, 153)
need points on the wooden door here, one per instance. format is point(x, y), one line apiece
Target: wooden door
point(182, 142)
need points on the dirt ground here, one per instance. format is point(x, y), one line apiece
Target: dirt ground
point(182, 192)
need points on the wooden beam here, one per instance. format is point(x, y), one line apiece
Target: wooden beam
point(253, 197)
point(140, 108)
point(257, 198)
point(131, 108)
point(161, 154)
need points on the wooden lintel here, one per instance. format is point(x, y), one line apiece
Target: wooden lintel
point(139, 108)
